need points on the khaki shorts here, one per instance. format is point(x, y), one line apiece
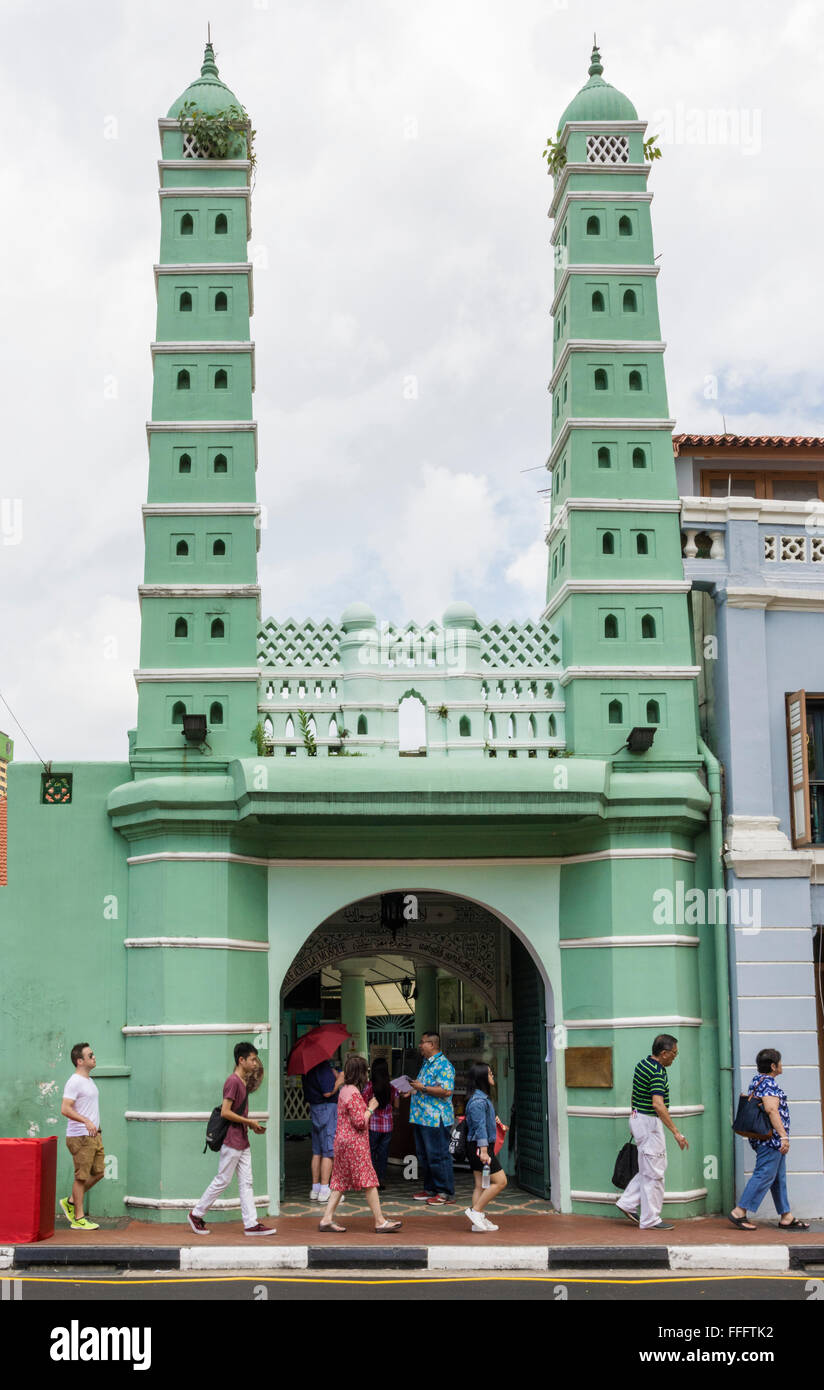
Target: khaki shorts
point(88, 1155)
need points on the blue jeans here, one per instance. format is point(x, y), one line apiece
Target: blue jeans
point(434, 1159)
point(379, 1149)
point(769, 1174)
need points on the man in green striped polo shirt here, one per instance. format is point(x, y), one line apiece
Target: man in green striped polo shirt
point(650, 1113)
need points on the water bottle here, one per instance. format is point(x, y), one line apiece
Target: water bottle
point(486, 1178)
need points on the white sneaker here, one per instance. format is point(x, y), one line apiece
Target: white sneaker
point(323, 1194)
point(477, 1219)
point(488, 1225)
point(314, 1195)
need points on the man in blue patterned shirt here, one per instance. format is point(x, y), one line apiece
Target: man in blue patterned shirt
point(431, 1113)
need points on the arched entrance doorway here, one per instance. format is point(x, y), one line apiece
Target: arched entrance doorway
point(392, 965)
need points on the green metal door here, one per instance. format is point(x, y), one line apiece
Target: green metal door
point(529, 1043)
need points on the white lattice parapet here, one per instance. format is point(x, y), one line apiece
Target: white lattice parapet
point(484, 689)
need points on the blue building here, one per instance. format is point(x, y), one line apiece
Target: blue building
point(752, 519)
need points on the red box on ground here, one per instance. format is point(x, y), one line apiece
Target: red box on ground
point(28, 1183)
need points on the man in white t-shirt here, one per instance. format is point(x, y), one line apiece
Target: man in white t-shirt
point(81, 1106)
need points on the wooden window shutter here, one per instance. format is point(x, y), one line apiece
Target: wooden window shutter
point(799, 769)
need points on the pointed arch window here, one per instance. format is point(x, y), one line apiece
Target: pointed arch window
point(615, 713)
point(604, 457)
point(648, 626)
point(181, 628)
point(635, 381)
point(178, 711)
point(219, 548)
point(363, 725)
point(593, 226)
point(187, 224)
point(601, 382)
point(184, 303)
point(563, 554)
point(216, 712)
point(608, 543)
point(222, 379)
point(598, 305)
point(639, 458)
point(184, 380)
point(221, 224)
point(221, 302)
point(624, 225)
point(218, 628)
point(465, 726)
point(184, 463)
point(630, 302)
point(642, 543)
point(610, 626)
point(491, 728)
point(221, 464)
point(182, 548)
point(551, 727)
point(653, 712)
point(533, 726)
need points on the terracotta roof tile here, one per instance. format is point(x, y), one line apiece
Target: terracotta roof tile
point(682, 443)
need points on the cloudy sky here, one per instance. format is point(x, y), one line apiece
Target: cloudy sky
point(400, 234)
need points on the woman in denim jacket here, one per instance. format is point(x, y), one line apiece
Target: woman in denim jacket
point(480, 1145)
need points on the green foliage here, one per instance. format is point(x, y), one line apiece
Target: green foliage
point(217, 135)
point(307, 735)
point(443, 712)
point(651, 150)
point(258, 738)
point(555, 156)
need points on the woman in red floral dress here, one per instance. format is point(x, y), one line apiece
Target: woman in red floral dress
point(352, 1169)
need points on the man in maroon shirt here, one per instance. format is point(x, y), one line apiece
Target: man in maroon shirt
point(235, 1156)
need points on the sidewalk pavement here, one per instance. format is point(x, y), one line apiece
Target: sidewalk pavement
point(436, 1238)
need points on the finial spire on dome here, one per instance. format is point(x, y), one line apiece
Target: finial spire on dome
point(596, 67)
point(209, 68)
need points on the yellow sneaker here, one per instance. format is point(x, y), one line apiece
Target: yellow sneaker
point(66, 1205)
point(83, 1225)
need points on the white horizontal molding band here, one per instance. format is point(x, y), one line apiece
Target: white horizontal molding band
point(226, 856)
point(614, 586)
point(618, 271)
point(595, 194)
point(195, 943)
point(312, 706)
point(641, 1021)
point(219, 268)
point(694, 1194)
point(190, 190)
point(394, 675)
point(613, 1112)
point(633, 347)
point(610, 423)
point(777, 599)
point(628, 673)
point(200, 591)
point(203, 345)
point(182, 1030)
point(196, 1116)
point(606, 505)
point(201, 509)
point(201, 426)
point(186, 1203)
point(768, 511)
point(183, 674)
point(583, 943)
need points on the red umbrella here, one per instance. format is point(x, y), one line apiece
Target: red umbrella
point(318, 1045)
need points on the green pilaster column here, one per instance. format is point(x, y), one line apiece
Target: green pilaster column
point(353, 1009)
point(426, 999)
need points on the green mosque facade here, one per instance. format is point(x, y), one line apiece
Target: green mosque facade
point(266, 795)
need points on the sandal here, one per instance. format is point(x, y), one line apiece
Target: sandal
point(794, 1225)
point(387, 1227)
point(330, 1226)
point(741, 1222)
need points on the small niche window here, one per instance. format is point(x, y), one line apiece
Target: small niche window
point(630, 302)
point(600, 379)
point(465, 727)
point(218, 628)
point(184, 303)
point(221, 224)
point(653, 712)
point(648, 626)
point(187, 224)
point(219, 547)
point(624, 225)
point(593, 226)
point(216, 712)
point(221, 302)
point(363, 725)
point(604, 457)
point(608, 543)
point(178, 711)
point(184, 463)
point(615, 712)
point(563, 553)
point(551, 726)
point(635, 381)
point(642, 543)
point(222, 379)
point(182, 548)
point(184, 381)
point(555, 564)
point(181, 628)
point(598, 305)
point(610, 626)
point(565, 391)
point(220, 464)
point(639, 458)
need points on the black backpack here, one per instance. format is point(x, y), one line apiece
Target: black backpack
point(216, 1130)
point(457, 1141)
point(626, 1166)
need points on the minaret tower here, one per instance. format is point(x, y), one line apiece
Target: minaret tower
point(616, 586)
point(200, 600)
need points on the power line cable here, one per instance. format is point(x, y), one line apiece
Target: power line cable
point(22, 730)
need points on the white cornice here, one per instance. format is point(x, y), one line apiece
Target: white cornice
point(539, 861)
point(201, 509)
point(776, 599)
point(200, 1115)
point(641, 1021)
point(581, 195)
point(632, 346)
point(767, 511)
point(200, 943)
point(756, 847)
point(628, 673)
point(210, 591)
point(180, 1030)
point(205, 427)
point(695, 1194)
point(614, 586)
point(601, 271)
point(204, 268)
point(583, 943)
point(614, 1112)
point(183, 192)
point(184, 674)
point(611, 423)
point(606, 504)
point(201, 345)
point(585, 168)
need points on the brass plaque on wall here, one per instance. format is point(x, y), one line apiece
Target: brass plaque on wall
point(589, 1066)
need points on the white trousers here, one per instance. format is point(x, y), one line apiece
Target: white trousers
point(647, 1187)
point(231, 1161)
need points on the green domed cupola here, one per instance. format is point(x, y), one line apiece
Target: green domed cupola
point(208, 93)
point(598, 101)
